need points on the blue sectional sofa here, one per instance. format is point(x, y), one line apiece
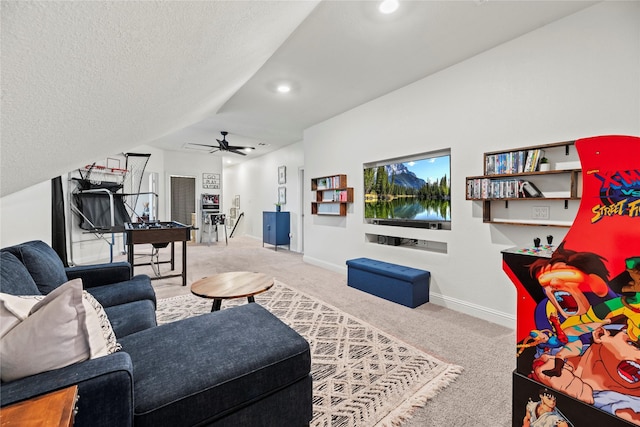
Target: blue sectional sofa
point(237, 367)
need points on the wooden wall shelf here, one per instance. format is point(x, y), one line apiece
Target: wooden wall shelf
point(514, 176)
point(331, 195)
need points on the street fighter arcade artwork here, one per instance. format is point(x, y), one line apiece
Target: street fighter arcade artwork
point(578, 311)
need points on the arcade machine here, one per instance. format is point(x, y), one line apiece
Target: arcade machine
point(578, 310)
point(211, 216)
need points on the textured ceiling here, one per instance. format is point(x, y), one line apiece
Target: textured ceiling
point(81, 80)
point(85, 80)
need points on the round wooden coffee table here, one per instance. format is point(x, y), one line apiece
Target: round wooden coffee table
point(235, 284)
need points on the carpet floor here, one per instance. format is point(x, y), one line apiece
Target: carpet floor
point(361, 375)
point(481, 396)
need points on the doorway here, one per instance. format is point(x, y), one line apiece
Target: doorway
point(183, 198)
point(301, 198)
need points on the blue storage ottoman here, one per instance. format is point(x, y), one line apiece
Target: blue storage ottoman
point(403, 285)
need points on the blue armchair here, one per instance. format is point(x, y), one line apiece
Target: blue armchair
point(110, 283)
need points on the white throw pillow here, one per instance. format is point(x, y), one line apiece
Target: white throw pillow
point(41, 333)
point(14, 309)
point(102, 337)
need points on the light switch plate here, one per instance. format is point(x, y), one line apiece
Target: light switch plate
point(540, 212)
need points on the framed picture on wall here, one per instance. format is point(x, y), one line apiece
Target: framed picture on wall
point(282, 175)
point(282, 195)
point(211, 180)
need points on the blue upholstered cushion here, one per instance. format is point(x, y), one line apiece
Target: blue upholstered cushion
point(44, 264)
point(131, 317)
point(100, 274)
point(189, 371)
point(136, 289)
point(14, 277)
point(387, 269)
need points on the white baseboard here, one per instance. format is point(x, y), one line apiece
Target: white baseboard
point(325, 265)
point(485, 313)
point(475, 310)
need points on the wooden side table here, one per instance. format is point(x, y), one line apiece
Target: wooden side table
point(235, 284)
point(56, 409)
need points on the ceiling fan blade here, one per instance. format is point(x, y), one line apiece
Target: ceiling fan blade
point(237, 147)
point(203, 145)
point(236, 152)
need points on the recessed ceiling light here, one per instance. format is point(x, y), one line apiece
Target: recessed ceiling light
point(388, 6)
point(283, 88)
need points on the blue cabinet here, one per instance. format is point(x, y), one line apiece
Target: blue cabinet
point(276, 228)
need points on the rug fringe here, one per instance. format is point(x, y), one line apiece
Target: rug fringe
point(406, 410)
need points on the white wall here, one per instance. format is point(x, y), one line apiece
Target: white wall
point(575, 78)
point(256, 182)
point(26, 215)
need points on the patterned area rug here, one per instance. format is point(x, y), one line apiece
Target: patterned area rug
point(361, 376)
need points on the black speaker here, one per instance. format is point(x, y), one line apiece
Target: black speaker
point(394, 241)
point(389, 240)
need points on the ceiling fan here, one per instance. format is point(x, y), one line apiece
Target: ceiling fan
point(223, 145)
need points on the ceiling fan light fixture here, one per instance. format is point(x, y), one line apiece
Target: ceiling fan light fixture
point(388, 6)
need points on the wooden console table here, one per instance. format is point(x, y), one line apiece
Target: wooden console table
point(56, 409)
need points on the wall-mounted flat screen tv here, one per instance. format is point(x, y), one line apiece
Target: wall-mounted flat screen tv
point(412, 191)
